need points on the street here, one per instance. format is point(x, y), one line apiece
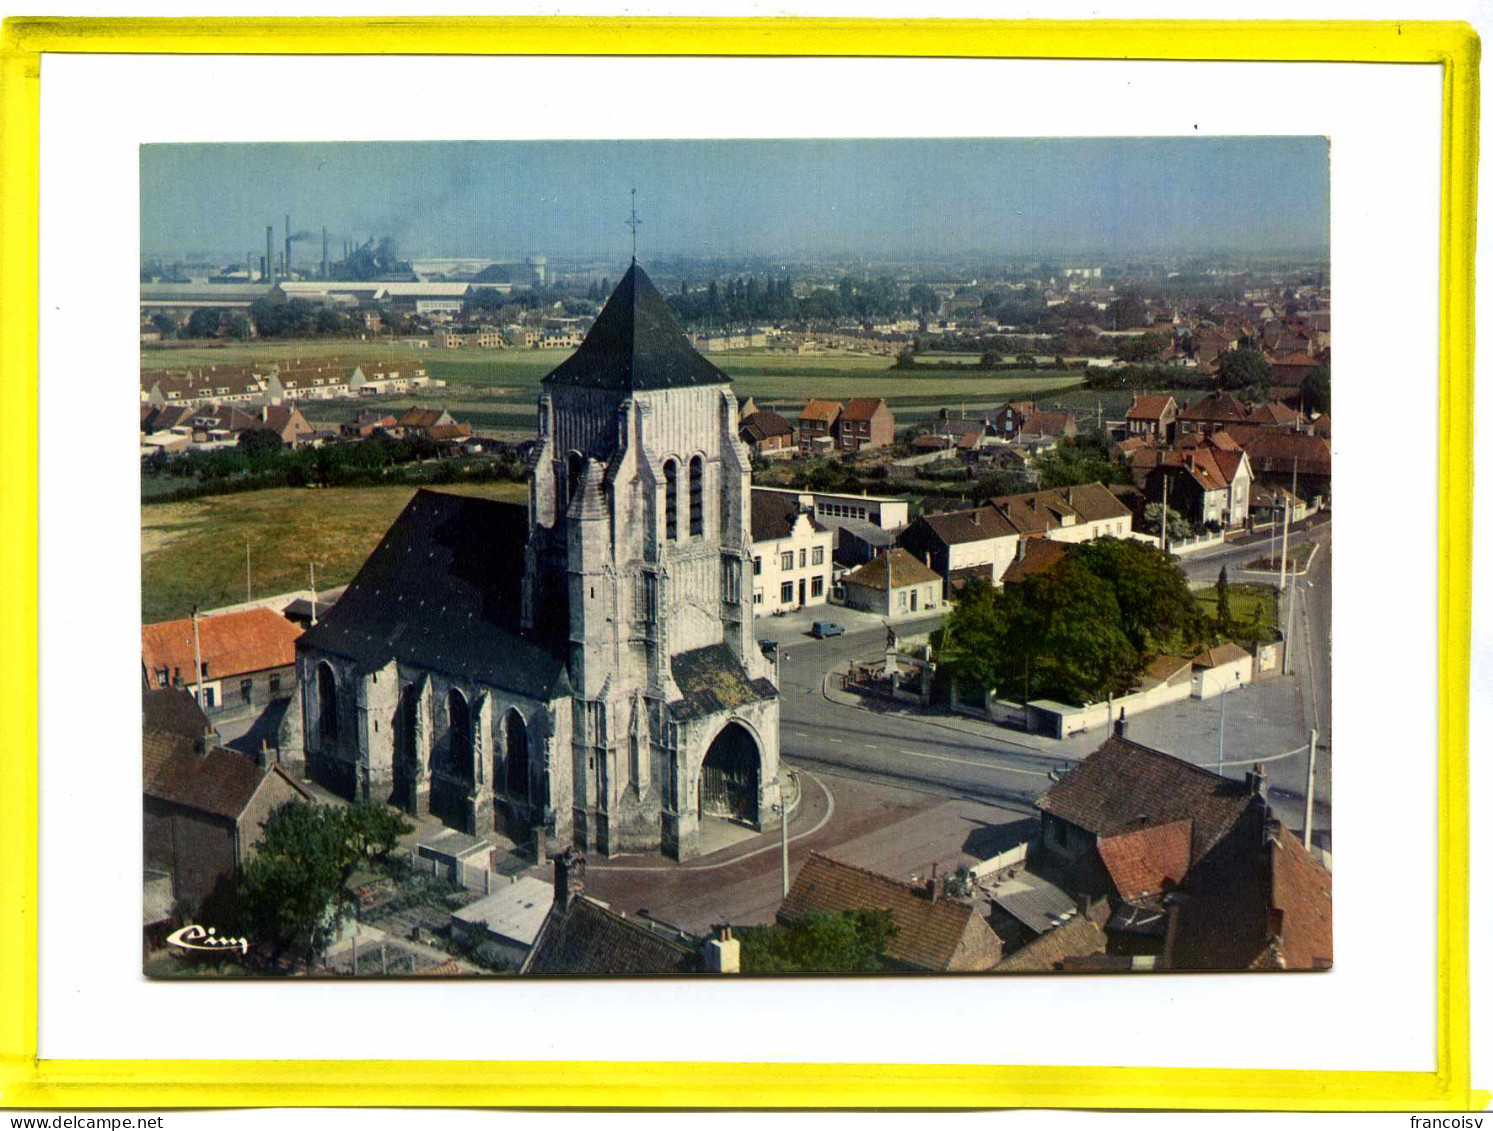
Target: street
point(898, 789)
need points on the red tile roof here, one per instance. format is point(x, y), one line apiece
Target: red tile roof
point(826, 411)
point(232, 644)
point(861, 409)
point(1301, 903)
point(221, 782)
point(1149, 407)
point(1147, 861)
point(1038, 556)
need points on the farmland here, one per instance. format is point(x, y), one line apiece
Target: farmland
point(496, 389)
point(194, 552)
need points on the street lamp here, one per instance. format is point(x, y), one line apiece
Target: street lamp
point(782, 808)
point(1223, 699)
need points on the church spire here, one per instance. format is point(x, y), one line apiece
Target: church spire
point(634, 223)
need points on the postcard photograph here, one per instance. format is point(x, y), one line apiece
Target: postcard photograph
point(736, 558)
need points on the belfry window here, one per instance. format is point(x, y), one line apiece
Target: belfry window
point(671, 500)
point(697, 497)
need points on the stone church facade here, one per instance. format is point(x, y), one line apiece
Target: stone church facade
point(584, 665)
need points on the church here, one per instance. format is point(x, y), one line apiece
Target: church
point(584, 666)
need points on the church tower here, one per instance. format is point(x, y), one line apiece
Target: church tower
point(639, 556)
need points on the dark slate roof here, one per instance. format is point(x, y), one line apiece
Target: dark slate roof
point(711, 680)
point(773, 516)
point(442, 591)
point(173, 710)
point(635, 345)
point(1124, 786)
point(587, 939)
point(220, 782)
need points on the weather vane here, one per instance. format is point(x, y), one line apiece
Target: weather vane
point(633, 224)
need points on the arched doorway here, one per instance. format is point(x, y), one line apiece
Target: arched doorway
point(730, 776)
point(326, 704)
point(515, 756)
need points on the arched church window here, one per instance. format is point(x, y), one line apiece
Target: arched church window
point(326, 702)
point(697, 497)
point(516, 754)
point(575, 463)
point(671, 500)
point(459, 724)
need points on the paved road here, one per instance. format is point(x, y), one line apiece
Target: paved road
point(1261, 721)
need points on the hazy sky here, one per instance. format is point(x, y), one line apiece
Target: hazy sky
point(879, 197)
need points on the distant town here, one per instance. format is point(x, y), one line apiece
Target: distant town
point(548, 615)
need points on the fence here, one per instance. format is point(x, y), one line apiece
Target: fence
point(473, 877)
point(1007, 859)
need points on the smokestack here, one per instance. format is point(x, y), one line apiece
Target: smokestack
point(269, 254)
point(324, 252)
point(287, 245)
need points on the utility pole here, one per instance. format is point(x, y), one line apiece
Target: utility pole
point(1223, 699)
point(313, 592)
point(783, 808)
point(1165, 482)
point(1311, 786)
point(248, 573)
point(1284, 557)
point(197, 658)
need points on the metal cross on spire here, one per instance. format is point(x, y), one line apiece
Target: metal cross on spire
point(634, 223)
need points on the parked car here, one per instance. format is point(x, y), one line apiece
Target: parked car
point(768, 646)
point(823, 628)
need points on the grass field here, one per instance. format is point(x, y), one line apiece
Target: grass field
point(194, 552)
point(496, 390)
point(1244, 600)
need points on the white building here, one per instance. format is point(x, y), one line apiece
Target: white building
point(792, 555)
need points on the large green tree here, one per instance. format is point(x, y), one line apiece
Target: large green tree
point(290, 897)
point(1316, 390)
point(1056, 635)
point(1244, 371)
point(1155, 601)
point(851, 942)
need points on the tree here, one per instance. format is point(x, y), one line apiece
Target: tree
point(165, 324)
point(1084, 654)
point(1156, 603)
point(1316, 390)
point(923, 298)
point(851, 942)
point(1177, 527)
point(1225, 614)
point(290, 897)
point(258, 442)
point(1244, 371)
point(204, 323)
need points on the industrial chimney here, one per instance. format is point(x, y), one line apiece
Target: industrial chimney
point(324, 274)
point(287, 245)
point(269, 253)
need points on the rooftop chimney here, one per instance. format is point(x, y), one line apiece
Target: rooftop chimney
point(932, 886)
point(1120, 724)
point(723, 952)
point(205, 742)
point(570, 876)
point(264, 757)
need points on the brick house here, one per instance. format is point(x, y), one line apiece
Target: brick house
point(816, 425)
point(205, 808)
point(767, 434)
point(248, 659)
point(1152, 416)
point(1018, 417)
point(864, 423)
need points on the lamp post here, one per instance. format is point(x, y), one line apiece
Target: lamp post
point(1223, 699)
point(782, 808)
